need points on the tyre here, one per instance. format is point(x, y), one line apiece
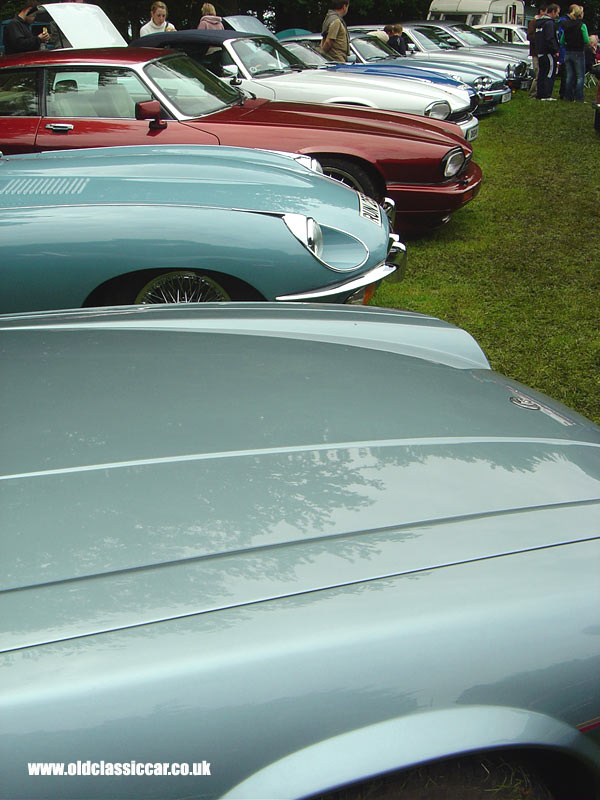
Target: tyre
point(181, 286)
point(469, 778)
point(349, 173)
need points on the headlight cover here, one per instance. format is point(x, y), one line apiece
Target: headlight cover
point(307, 231)
point(336, 249)
point(438, 110)
point(453, 162)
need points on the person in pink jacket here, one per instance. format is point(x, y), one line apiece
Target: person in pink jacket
point(209, 19)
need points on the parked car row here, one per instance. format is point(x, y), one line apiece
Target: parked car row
point(435, 41)
point(269, 549)
point(372, 56)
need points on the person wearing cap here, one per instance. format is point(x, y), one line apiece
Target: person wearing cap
point(18, 37)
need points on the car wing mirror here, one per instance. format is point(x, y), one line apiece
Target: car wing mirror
point(150, 109)
point(351, 58)
point(232, 71)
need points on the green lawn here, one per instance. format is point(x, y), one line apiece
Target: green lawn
point(519, 267)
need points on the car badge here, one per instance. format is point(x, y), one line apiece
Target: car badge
point(525, 402)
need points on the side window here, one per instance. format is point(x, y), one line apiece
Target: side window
point(103, 93)
point(18, 93)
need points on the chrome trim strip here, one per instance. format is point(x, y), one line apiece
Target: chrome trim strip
point(378, 273)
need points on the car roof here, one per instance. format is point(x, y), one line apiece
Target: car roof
point(192, 36)
point(120, 56)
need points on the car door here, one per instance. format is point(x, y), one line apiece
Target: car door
point(95, 107)
point(19, 110)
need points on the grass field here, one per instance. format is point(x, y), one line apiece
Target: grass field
point(519, 267)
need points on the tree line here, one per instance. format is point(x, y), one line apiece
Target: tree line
point(129, 15)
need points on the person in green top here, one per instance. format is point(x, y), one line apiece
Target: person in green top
point(574, 37)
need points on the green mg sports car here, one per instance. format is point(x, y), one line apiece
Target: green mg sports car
point(263, 551)
point(156, 224)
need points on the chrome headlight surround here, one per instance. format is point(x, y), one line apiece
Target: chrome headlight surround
point(510, 70)
point(483, 82)
point(438, 110)
point(334, 248)
point(453, 162)
point(521, 69)
point(308, 231)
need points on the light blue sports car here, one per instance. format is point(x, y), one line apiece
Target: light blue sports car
point(111, 226)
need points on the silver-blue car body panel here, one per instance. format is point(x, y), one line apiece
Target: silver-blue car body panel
point(71, 221)
point(306, 544)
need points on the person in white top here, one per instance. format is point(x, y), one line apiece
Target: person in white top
point(158, 22)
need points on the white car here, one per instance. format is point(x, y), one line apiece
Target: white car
point(259, 64)
point(506, 31)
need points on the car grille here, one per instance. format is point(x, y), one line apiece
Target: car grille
point(369, 208)
point(458, 116)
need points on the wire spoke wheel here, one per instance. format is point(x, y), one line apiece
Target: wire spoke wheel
point(348, 173)
point(343, 177)
point(182, 287)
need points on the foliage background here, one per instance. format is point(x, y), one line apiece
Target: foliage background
point(278, 14)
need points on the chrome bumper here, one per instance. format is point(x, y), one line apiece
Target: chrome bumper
point(495, 96)
point(470, 128)
point(393, 268)
point(396, 257)
point(389, 206)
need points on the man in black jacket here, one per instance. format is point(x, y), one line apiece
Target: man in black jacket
point(18, 37)
point(546, 45)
